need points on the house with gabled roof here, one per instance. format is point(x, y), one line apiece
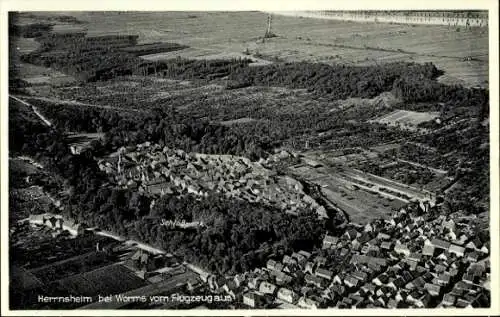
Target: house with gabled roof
point(419, 299)
point(365, 249)
point(313, 280)
point(239, 279)
point(282, 278)
point(440, 244)
point(308, 303)
point(287, 295)
point(402, 249)
point(320, 260)
point(351, 281)
point(442, 279)
point(401, 295)
point(368, 227)
point(301, 260)
point(330, 242)
point(326, 274)
point(267, 288)
point(288, 260)
point(363, 238)
point(438, 268)
point(254, 282)
point(397, 283)
point(344, 252)
point(339, 289)
point(472, 256)
point(386, 245)
point(369, 288)
point(251, 299)
point(350, 234)
point(337, 279)
point(477, 268)
point(448, 300)
point(306, 254)
point(428, 250)
point(468, 278)
point(417, 283)
point(433, 289)
point(485, 248)
point(457, 250)
point(407, 276)
point(360, 275)
point(463, 303)
point(309, 267)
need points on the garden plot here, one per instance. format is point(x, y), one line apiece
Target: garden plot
point(407, 119)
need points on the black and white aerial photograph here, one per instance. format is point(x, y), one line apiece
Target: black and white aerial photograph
point(248, 160)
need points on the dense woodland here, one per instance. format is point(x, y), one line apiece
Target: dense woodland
point(339, 81)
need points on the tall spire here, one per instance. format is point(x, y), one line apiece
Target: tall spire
point(269, 20)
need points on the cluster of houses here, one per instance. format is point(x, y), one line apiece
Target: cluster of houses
point(57, 223)
point(156, 170)
point(412, 260)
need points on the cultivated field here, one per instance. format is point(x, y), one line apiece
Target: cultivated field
point(405, 118)
point(231, 34)
point(112, 279)
point(194, 98)
point(68, 267)
point(362, 206)
point(40, 76)
point(162, 288)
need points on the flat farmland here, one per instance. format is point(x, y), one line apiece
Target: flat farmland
point(39, 75)
point(377, 183)
point(209, 54)
point(165, 287)
point(111, 279)
point(361, 205)
point(23, 45)
point(329, 41)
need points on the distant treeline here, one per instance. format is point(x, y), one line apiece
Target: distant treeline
point(30, 30)
point(91, 58)
point(181, 68)
point(152, 48)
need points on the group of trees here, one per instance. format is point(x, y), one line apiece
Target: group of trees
point(91, 65)
point(237, 235)
point(153, 48)
point(338, 81)
point(455, 99)
point(169, 128)
point(181, 68)
point(75, 118)
point(24, 126)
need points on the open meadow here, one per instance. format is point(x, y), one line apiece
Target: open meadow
point(461, 53)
